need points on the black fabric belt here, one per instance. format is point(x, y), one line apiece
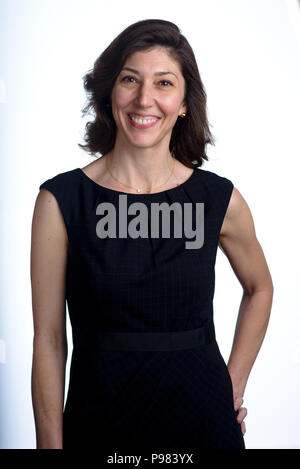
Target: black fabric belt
point(154, 341)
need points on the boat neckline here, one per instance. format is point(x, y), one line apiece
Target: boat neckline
point(152, 194)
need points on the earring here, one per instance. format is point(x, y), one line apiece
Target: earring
point(183, 114)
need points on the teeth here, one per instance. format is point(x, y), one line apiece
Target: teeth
point(142, 121)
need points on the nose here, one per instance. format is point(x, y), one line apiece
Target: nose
point(145, 95)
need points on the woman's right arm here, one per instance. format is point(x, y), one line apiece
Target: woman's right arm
point(49, 245)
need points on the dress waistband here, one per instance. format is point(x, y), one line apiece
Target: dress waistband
point(151, 341)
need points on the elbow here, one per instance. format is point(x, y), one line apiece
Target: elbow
point(55, 342)
point(266, 286)
point(270, 287)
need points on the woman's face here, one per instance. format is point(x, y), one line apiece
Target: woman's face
point(149, 87)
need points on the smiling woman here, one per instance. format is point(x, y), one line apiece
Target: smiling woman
point(145, 103)
point(172, 70)
point(146, 372)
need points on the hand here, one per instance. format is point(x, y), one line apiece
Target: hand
point(238, 401)
point(238, 387)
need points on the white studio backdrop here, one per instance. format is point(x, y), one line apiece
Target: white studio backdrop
point(248, 56)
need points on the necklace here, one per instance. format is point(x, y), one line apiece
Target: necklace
point(138, 189)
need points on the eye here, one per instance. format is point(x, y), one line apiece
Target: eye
point(128, 76)
point(165, 81)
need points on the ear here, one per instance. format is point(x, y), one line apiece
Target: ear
point(183, 108)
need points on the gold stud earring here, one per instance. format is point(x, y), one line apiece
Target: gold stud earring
point(183, 114)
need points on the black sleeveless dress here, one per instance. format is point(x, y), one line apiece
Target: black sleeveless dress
point(146, 371)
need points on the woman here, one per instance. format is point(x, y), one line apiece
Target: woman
point(146, 371)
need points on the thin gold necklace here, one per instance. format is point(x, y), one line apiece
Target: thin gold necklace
point(138, 189)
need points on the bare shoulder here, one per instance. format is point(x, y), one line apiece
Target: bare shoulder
point(238, 220)
point(48, 265)
point(47, 217)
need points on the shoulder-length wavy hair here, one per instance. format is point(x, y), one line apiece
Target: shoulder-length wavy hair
point(191, 134)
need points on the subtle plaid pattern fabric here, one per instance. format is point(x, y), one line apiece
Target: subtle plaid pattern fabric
point(144, 399)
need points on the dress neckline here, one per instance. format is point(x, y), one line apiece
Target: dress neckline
point(153, 194)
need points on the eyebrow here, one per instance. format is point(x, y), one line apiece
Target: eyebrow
point(157, 73)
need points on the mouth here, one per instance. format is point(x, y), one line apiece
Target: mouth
point(140, 122)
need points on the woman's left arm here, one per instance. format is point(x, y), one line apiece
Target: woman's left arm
point(239, 243)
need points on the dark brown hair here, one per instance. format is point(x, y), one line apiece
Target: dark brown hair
point(190, 134)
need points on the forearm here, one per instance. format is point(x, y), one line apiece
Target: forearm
point(48, 380)
point(250, 331)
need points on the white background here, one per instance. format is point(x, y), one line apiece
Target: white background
point(248, 56)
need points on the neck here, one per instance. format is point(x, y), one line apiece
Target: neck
point(140, 169)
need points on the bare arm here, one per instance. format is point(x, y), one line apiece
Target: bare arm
point(239, 243)
point(49, 246)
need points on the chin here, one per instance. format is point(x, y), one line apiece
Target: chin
point(143, 142)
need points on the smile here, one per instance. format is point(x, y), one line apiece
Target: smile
point(140, 123)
